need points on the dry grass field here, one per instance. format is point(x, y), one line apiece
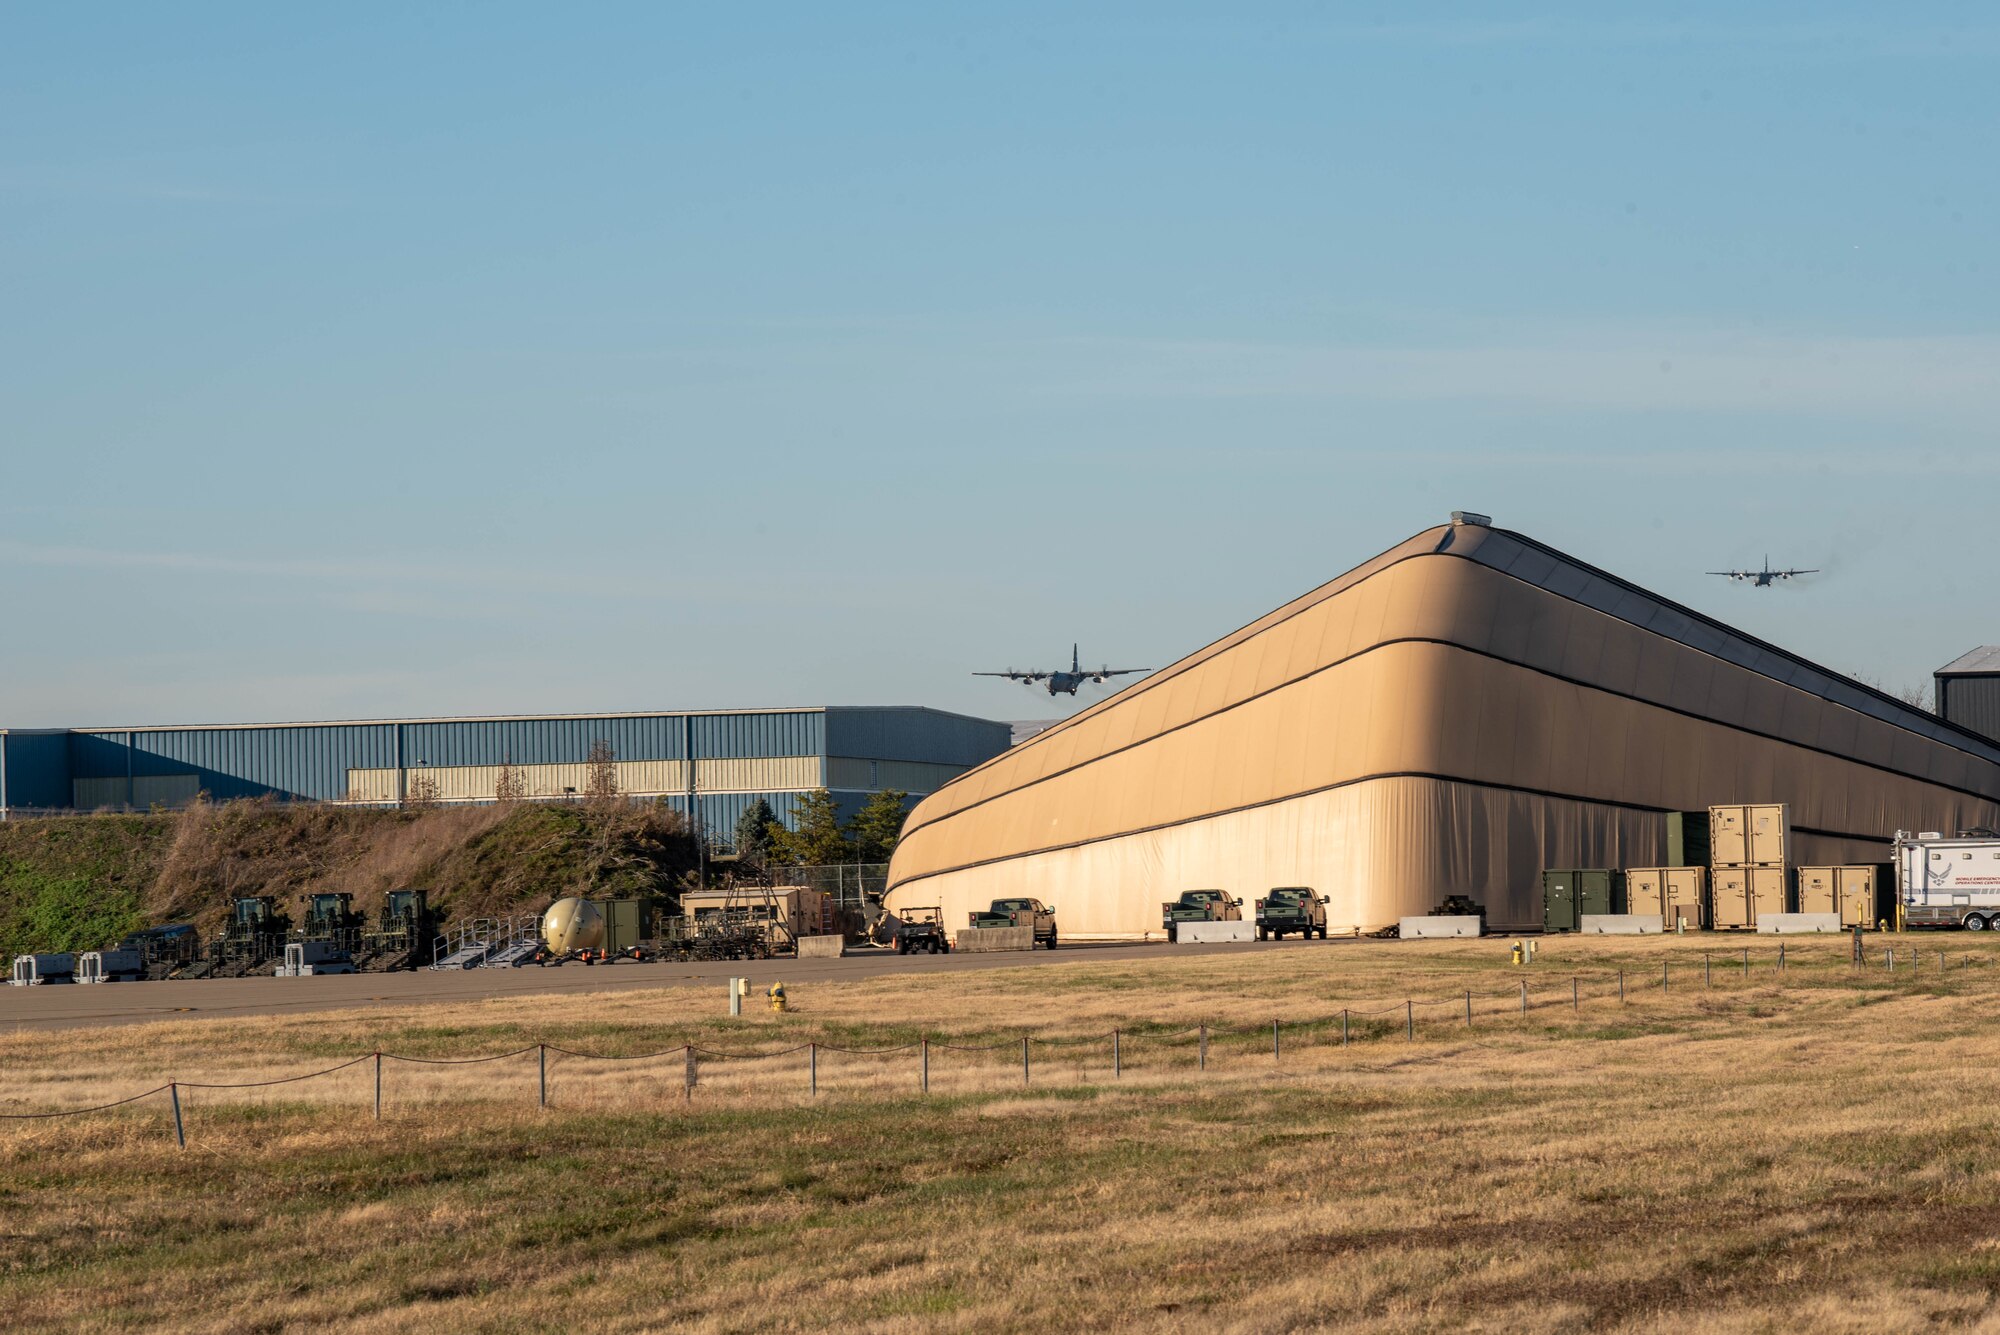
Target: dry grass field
point(1811, 1149)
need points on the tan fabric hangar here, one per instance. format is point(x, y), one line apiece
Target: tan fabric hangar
point(1451, 717)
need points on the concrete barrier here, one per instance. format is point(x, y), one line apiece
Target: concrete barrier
point(1205, 933)
point(1771, 923)
point(976, 940)
point(829, 947)
point(1431, 925)
point(1620, 924)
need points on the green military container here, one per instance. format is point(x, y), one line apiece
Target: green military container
point(624, 921)
point(1687, 839)
point(1569, 893)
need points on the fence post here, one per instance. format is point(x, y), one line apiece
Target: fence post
point(1746, 961)
point(1343, 1026)
point(378, 1086)
point(1204, 1045)
point(542, 1051)
point(1575, 1004)
point(1663, 977)
point(1410, 1020)
point(1468, 1008)
point(1707, 979)
point(1781, 957)
point(1024, 1061)
point(812, 1067)
point(1524, 996)
point(688, 1078)
point(924, 1056)
point(1274, 1040)
point(1117, 1064)
point(1621, 985)
point(180, 1128)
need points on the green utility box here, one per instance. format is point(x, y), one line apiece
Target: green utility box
point(1571, 892)
point(1687, 839)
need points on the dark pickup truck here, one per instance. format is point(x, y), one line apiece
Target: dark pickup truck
point(1020, 913)
point(1291, 908)
point(1199, 906)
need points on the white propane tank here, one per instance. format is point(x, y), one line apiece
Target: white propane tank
point(573, 924)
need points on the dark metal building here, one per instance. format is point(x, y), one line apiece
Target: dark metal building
point(1968, 691)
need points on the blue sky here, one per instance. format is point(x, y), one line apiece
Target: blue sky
point(377, 359)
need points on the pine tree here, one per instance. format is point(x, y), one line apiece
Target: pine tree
point(815, 839)
point(753, 831)
point(876, 827)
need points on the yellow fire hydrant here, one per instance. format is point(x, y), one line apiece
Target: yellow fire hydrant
point(1520, 952)
point(777, 995)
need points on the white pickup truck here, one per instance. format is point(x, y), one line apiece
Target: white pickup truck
point(1949, 880)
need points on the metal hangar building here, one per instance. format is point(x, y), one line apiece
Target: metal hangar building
point(1452, 717)
point(713, 764)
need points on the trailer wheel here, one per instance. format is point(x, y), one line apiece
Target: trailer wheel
point(1975, 922)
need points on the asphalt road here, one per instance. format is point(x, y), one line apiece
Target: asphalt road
point(69, 1006)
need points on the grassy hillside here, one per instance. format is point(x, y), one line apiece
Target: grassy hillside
point(78, 883)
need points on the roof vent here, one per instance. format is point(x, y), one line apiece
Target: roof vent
point(1472, 517)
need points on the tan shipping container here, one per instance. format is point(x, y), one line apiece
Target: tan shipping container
point(1767, 891)
point(1857, 887)
point(1734, 906)
point(1685, 893)
point(1770, 835)
point(1645, 891)
point(1750, 836)
point(1673, 894)
point(1819, 891)
point(1728, 837)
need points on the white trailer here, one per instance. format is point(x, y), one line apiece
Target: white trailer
point(1948, 880)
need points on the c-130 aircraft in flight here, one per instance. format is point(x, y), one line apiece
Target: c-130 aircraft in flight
point(1764, 578)
point(1065, 682)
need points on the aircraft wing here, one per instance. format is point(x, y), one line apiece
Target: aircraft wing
point(1728, 574)
point(1014, 676)
point(1787, 574)
point(1118, 672)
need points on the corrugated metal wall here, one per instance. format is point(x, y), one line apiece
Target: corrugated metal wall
point(34, 769)
point(737, 754)
point(928, 735)
point(911, 776)
point(1972, 702)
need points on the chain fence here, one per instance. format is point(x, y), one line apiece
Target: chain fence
point(1464, 1003)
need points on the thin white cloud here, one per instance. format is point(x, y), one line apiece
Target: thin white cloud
point(1585, 366)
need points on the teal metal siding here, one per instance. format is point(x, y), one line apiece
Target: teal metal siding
point(34, 769)
point(310, 761)
point(915, 734)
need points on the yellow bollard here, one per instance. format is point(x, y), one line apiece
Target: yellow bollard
point(777, 995)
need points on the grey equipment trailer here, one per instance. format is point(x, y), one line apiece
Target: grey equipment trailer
point(1948, 880)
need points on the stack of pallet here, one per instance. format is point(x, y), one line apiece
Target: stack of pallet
point(1678, 892)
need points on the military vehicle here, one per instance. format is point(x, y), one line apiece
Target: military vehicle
point(1020, 913)
point(256, 932)
point(330, 920)
point(404, 935)
point(1199, 906)
point(1291, 908)
point(919, 931)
